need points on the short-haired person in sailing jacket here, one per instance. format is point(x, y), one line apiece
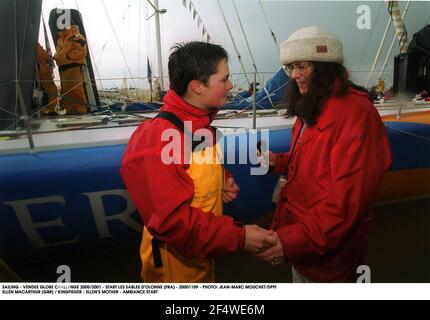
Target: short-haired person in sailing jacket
point(334, 168)
point(181, 203)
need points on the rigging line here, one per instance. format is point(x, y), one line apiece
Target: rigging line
point(139, 47)
point(268, 24)
point(234, 43)
point(246, 39)
point(408, 133)
point(23, 41)
point(148, 31)
point(259, 101)
point(61, 96)
point(249, 49)
point(112, 33)
point(171, 28)
point(370, 37)
point(213, 30)
point(378, 53)
point(92, 58)
point(7, 111)
point(18, 92)
point(118, 42)
point(148, 39)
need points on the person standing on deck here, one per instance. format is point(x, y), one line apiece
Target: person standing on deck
point(46, 81)
point(71, 53)
point(181, 201)
point(334, 168)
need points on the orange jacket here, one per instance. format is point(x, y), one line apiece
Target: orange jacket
point(43, 59)
point(71, 47)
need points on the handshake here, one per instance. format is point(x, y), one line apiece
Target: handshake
point(264, 244)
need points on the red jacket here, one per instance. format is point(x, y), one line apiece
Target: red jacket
point(162, 193)
point(334, 173)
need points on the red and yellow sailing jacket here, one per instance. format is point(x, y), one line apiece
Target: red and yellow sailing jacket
point(180, 204)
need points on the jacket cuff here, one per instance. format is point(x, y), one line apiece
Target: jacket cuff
point(227, 174)
point(241, 244)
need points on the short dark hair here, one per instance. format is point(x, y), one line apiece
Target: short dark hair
point(325, 76)
point(193, 61)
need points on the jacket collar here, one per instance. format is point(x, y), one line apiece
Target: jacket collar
point(187, 112)
point(329, 113)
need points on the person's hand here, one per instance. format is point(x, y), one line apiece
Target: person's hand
point(274, 255)
point(230, 190)
point(258, 239)
point(263, 159)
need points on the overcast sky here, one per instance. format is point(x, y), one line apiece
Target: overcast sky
point(121, 32)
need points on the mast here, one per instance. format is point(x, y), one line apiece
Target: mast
point(402, 45)
point(393, 9)
point(399, 25)
point(157, 13)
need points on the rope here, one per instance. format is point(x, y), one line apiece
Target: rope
point(201, 8)
point(246, 40)
point(239, 56)
point(268, 24)
point(119, 44)
point(408, 133)
point(110, 36)
point(7, 111)
point(92, 58)
point(368, 39)
point(44, 107)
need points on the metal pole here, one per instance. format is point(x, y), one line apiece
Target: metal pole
point(159, 55)
point(254, 102)
point(24, 116)
point(400, 27)
point(18, 92)
point(392, 43)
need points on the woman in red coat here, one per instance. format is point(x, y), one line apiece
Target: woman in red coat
point(337, 159)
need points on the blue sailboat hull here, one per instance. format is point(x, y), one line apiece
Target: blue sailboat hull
point(73, 200)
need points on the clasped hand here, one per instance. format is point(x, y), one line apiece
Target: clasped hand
point(264, 244)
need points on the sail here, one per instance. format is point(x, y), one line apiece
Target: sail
point(274, 88)
point(19, 33)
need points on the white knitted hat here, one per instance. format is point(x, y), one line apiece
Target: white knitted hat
point(311, 44)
